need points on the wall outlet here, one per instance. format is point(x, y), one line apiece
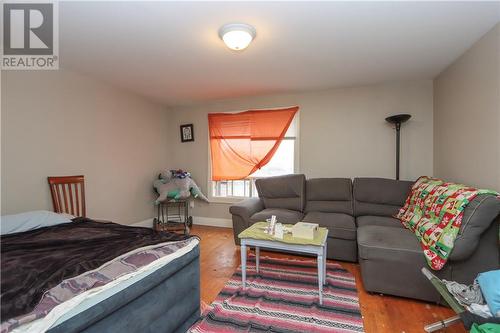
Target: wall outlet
point(191, 204)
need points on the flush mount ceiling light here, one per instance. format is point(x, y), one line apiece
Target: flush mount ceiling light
point(237, 36)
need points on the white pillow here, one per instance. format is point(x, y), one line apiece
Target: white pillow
point(31, 220)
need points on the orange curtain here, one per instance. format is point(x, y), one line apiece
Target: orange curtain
point(241, 143)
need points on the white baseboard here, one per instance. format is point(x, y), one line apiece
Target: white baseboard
point(198, 220)
point(146, 223)
point(212, 221)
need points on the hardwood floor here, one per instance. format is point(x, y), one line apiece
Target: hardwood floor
point(220, 257)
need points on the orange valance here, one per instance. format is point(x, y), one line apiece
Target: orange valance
point(241, 143)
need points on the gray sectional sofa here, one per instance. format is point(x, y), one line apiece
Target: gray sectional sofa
point(359, 217)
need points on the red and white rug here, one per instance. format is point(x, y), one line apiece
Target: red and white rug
point(283, 297)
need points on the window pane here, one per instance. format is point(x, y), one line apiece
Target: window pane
point(292, 130)
point(223, 189)
point(238, 188)
point(281, 163)
point(248, 183)
point(254, 189)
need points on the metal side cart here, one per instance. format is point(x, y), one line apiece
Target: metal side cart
point(462, 315)
point(173, 216)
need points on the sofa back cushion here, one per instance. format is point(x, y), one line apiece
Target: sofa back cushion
point(286, 192)
point(379, 196)
point(329, 195)
point(477, 217)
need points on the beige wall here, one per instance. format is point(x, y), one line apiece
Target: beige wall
point(467, 116)
point(342, 133)
point(62, 123)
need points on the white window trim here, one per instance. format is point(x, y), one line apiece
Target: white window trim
point(234, 199)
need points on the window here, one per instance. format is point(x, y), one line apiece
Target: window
point(283, 162)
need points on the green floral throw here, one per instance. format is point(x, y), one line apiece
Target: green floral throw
point(434, 211)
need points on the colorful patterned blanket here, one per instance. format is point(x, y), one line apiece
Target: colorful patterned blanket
point(434, 211)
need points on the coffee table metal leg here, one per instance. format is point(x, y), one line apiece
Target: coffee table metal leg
point(321, 264)
point(257, 259)
point(243, 250)
point(324, 266)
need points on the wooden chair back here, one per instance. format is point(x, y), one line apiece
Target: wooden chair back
point(68, 194)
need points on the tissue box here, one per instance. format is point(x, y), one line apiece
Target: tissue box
point(305, 230)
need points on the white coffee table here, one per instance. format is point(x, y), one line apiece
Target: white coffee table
point(254, 236)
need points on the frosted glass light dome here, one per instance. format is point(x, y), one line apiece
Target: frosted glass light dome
point(237, 36)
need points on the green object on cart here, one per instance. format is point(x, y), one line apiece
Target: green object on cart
point(443, 291)
point(485, 328)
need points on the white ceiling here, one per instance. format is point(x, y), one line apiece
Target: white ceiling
point(170, 51)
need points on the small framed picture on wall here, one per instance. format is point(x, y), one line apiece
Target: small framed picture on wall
point(187, 133)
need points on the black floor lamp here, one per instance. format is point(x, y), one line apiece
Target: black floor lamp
point(397, 120)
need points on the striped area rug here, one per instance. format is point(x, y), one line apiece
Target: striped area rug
point(283, 297)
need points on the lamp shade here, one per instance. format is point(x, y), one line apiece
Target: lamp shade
point(398, 119)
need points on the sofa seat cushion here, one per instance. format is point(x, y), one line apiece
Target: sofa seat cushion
point(383, 221)
point(282, 215)
point(388, 243)
point(339, 225)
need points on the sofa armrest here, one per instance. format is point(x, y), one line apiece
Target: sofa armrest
point(247, 208)
point(477, 218)
point(242, 211)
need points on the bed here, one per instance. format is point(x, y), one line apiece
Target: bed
point(119, 278)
